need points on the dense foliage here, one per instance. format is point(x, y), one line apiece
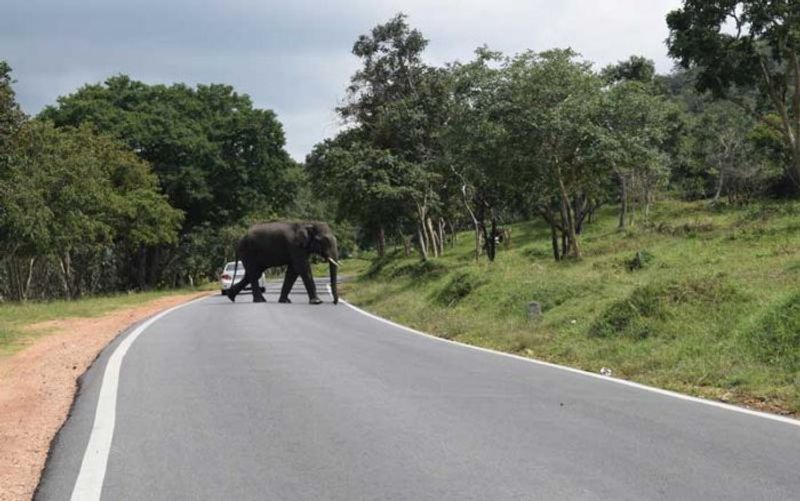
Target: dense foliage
point(501, 138)
point(125, 185)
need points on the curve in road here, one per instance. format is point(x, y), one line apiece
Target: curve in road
point(251, 401)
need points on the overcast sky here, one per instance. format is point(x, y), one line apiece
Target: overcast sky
point(294, 56)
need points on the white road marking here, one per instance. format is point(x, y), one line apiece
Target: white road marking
point(89, 483)
point(742, 410)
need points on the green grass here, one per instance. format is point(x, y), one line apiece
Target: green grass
point(15, 317)
point(711, 306)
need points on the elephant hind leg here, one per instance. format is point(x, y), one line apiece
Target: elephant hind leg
point(235, 289)
point(258, 297)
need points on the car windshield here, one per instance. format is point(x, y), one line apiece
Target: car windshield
point(229, 267)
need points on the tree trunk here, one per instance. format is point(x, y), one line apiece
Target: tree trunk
point(406, 245)
point(64, 261)
point(422, 247)
point(433, 239)
point(141, 272)
point(719, 185)
point(381, 241)
point(26, 291)
point(573, 237)
point(453, 234)
point(441, 236)
point(623, 196)
point(554, 238)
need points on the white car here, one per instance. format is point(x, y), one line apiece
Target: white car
point(226, 279)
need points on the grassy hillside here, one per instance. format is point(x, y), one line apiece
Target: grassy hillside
point(711, 307)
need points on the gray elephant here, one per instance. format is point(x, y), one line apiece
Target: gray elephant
point(286, 244)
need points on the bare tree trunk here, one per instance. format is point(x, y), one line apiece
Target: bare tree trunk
point(406, 245)
point(475, 223)
point(554, 238)
point(441, 236)
point(64, 261)
point(381, 241)
point(422, 247)
point(453, 234)
point(623, 212)
point(573, 237)
point(434, 247)
point(719, 184)
point(26, 291)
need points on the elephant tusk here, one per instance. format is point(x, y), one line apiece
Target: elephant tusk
point(333, 262)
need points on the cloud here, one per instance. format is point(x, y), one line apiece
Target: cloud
point(294, 57)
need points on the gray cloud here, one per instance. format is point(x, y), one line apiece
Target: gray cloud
point(294, 57)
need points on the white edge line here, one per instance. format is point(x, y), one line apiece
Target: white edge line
point(89, 484)
point(681, 396)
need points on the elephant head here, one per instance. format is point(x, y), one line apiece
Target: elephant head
point(320, 240)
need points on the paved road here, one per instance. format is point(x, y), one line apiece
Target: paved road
point(220, 401)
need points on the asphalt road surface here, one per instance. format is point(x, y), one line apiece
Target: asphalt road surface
point(221, 401)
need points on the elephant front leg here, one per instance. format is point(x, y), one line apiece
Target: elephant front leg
point(308, 281)
point(288, 283)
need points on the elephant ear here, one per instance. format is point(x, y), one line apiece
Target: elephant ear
point(305, 235)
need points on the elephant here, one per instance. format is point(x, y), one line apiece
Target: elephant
point(284, 243)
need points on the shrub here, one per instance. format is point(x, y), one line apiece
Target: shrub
point(421, 269)
point(636, 316)
point(776, 337)
point(460, 286)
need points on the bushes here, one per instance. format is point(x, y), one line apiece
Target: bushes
point(460, 286)
point(638, 315)
point(776, 337)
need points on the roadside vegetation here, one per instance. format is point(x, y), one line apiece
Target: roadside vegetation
point(651, 215)
point(699, 301)
point(16, 318)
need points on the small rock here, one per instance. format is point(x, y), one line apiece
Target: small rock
point(573, 321)
point(534, 309)
point(605, 371)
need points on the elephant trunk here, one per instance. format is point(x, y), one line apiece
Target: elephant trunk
point(334, 267)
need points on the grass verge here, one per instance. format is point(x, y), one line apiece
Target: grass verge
point(15, 317)
point(701, 301)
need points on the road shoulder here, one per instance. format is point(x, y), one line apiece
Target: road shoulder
point(38, 385)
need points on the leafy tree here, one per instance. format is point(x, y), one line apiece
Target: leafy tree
point(556, 128)
point(741, 45)
point(478, 144)
point(638, 124)
point(73, 197)
point(725, 141)
point(396, 106)
point(634, 69)
point(11, 117)
point(217, 158)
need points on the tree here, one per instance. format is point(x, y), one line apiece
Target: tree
point(11, 116)
point(637, 122)
point(396, 106)
point(634, 69)
point(555, 124)
point(478, 144)
point(725, 142)
point(216, 156)
point(79, 200)
point(741, 45)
